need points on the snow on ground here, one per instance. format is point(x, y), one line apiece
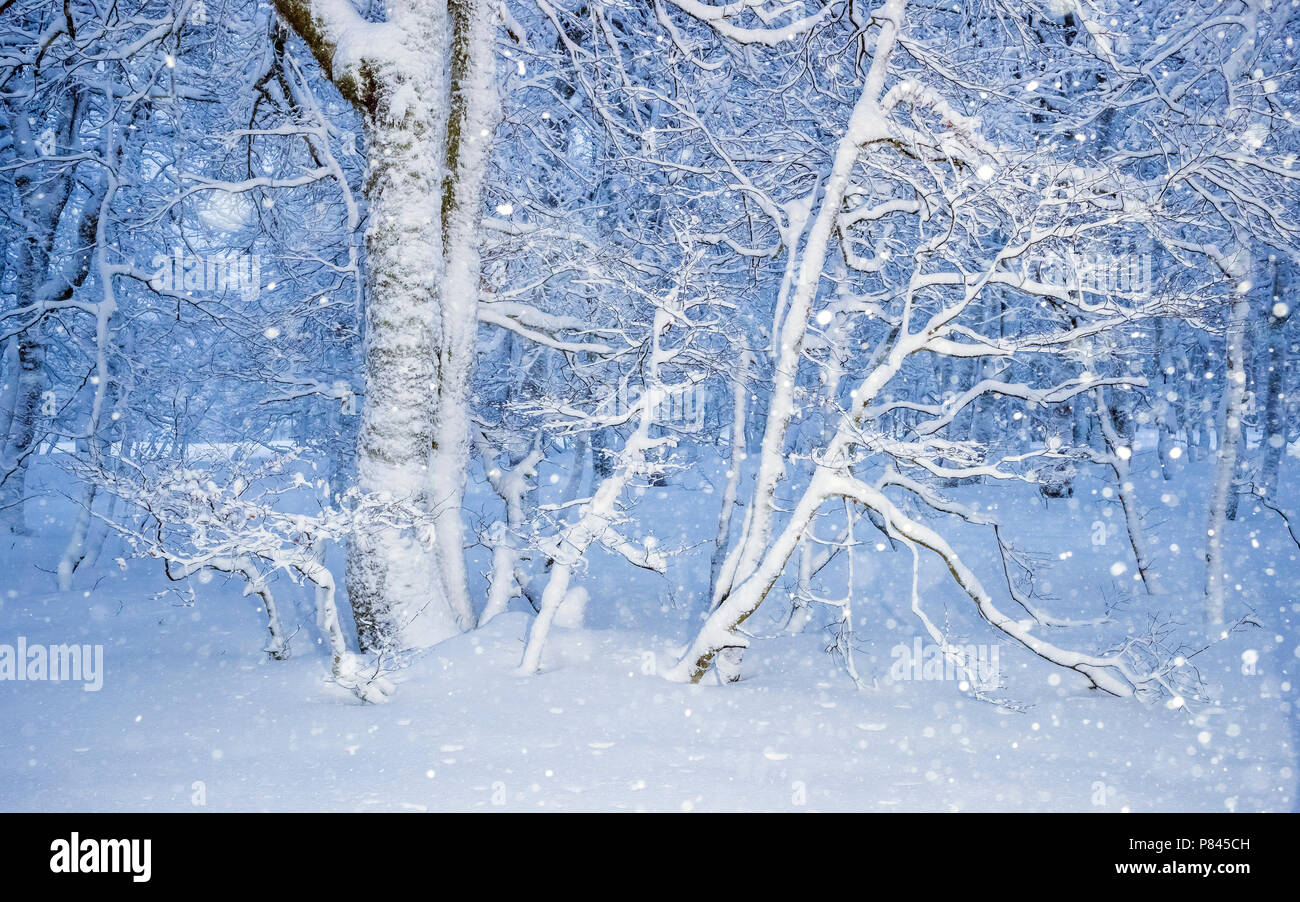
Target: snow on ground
point(192, 712)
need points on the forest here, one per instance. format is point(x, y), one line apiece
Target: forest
point(649, 404)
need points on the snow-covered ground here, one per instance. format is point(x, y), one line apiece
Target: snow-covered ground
point(193, 716)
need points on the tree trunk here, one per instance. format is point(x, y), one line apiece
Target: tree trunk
point(43, 196)
point(740, 405)
point(392, 574)
point(474, 113)
point(1225, 464)
point(1275, 419)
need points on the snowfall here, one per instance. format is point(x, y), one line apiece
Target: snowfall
point(194, 716)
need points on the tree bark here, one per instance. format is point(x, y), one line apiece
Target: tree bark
point(1225, 464)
